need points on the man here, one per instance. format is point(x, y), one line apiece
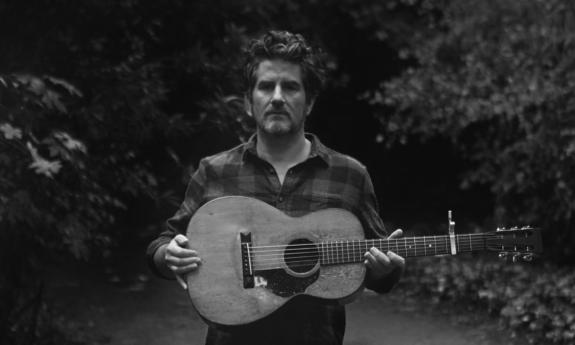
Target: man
point(294, 172)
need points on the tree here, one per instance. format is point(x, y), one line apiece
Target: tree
point(496, 78)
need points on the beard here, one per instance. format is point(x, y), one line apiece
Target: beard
point(279, 125)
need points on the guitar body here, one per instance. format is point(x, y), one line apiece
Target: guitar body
point(218, 287)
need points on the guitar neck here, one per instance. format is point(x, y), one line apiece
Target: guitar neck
point(341, 252)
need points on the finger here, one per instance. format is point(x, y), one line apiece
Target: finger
point(181, 270)
point(369, 259)
point(396, 234)
point(374, 262)
point(380, 256)
point(177, 261)
point(376, 265)
point(181, 240)
point(181, 252)
point(396, 260)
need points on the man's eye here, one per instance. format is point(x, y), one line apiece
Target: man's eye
point(291, 86)
point(265, 86)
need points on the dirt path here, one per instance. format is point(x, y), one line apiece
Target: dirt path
point(137, 308)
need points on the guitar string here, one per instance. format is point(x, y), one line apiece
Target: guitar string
point(312, 261)
point(339, 257)
point(356, 246)
point(349, 258)
point(460, 236)
point(341, 252)
point(337, 245)
point(464, 237)
point(357, 257)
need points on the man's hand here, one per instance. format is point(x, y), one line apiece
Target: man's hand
point(180, 259)
point(381, 264)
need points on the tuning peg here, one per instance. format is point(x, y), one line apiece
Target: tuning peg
point(516, 257)
point(503, 255)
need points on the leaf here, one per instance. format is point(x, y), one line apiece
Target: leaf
point(69, 87)
point(51, 99)
point(41, 165)
point(69, 142)
point(10, 132)
point(46, 167)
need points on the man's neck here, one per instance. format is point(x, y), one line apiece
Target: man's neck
point(283, 151)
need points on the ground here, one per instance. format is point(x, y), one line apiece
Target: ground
point(125, 304)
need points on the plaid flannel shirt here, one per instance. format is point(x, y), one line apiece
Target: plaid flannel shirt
point(326, 179)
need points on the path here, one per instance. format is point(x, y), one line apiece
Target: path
point(115, 309)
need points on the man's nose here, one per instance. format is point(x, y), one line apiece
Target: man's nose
point(278, 97)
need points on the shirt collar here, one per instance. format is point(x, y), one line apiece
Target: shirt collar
point(318, 150)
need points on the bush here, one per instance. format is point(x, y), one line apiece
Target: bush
point(534, 300)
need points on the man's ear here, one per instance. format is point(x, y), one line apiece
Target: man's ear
point(309, 106)
point(247, 105)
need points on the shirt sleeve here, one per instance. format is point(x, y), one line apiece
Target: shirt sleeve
point(178, 223)
point(374, 228)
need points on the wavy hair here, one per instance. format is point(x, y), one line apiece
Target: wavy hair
point(290, 47)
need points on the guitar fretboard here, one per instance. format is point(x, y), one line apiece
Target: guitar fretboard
point(341, 252)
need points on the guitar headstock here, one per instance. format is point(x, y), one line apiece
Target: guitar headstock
point(518, 243)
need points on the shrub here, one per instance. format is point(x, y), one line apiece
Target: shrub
point(534, 300)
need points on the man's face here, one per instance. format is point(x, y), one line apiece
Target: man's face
point(278, 100)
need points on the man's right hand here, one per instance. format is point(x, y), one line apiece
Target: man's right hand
point(179, 258)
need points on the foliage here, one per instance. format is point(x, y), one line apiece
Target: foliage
point(497, 79)
point(537, 301)
point(104, 106)
point(79, 151)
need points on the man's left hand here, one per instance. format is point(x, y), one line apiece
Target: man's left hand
point(380, 264)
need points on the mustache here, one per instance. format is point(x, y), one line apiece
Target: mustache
point(277, 111)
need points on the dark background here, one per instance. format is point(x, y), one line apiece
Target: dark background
point(107, 106)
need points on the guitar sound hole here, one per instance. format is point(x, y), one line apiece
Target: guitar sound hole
point(301, 255)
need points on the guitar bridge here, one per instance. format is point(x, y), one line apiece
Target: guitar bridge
point(247, 268)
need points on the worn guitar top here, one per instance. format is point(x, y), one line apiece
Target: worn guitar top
point(326, 179)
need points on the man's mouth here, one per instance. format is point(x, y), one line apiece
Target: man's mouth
point(277, 113)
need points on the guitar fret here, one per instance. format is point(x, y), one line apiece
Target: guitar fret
point(352, 251)
point(458, 244)
point(347, 250)
point(334, 252)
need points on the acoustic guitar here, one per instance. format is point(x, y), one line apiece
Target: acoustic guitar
point(255, 258)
